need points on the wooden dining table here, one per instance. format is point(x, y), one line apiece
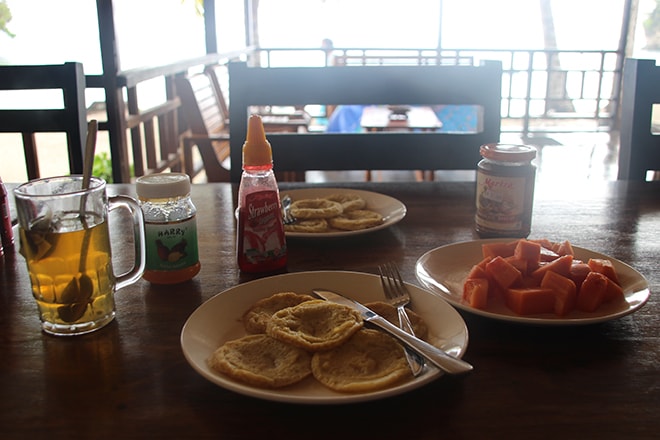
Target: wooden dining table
point(131, 379)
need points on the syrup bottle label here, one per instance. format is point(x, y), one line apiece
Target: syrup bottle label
point(263, 237)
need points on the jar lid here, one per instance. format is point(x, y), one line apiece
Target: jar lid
point(508, 152)
point(162, 186)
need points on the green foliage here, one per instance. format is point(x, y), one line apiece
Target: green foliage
point(102, 167)
point(5, 17)
point(652, 28)
point(199, 6)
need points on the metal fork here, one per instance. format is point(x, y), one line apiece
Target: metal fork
point(398, 296)
point(287, 217)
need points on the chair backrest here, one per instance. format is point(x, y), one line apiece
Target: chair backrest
point(71, 119)
point(220, 79)
point(206, 120)
point(368, 85)
point(202, 108)
point(640, 147)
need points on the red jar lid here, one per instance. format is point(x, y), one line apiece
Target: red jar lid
point(508, 152)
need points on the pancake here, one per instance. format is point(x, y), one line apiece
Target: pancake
point(315, 208)
point(261, 361)
point(356, 220)
point(348, 201)
point(315, 325)
point(309, 225)
point(371, 360)
point(389, 312)
point(257, 316)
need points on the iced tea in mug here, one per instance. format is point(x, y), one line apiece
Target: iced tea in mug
point(65, 240)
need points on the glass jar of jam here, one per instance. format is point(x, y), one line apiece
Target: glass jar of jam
point(170, 226)
point(505, 190)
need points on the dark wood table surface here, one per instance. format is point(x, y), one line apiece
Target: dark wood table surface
point(130, 379)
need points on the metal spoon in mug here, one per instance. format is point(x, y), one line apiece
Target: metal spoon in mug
point(80, 289)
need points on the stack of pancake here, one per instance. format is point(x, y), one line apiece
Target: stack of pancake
point(292, 336)
point(336, 212)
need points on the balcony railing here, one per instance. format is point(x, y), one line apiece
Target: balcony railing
point(543, 91)
point(585, 100)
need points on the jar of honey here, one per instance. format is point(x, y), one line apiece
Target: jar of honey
point(170, 226)
point(505, 190)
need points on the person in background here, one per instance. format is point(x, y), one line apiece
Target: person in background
point(328, 47)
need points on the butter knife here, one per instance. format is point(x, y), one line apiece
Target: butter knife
point(442, 360)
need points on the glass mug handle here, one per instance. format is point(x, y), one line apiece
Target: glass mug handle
point(132, 206)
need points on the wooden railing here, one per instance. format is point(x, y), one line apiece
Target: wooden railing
point(543, 91)
point(146, 140)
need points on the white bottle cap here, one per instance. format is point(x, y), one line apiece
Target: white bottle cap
point(162, 186)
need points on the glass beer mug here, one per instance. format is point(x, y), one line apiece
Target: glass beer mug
point(65, 240)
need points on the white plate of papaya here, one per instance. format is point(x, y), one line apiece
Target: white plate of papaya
point(535, 281)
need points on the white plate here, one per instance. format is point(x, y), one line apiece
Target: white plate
point(443, 270)
point(218, 320)
point(392, 210)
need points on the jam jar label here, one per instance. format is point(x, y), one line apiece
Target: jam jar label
point(500, 202)
point(171, 246)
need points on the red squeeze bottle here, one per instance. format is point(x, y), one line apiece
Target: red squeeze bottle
point(260, 240)
point(6, 233)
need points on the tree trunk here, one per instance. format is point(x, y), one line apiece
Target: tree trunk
point(556, 97)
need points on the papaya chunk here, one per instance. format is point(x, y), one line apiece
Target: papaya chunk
point(613, 293)
point(521, 264)
point(475, 292)
point(548, 255)
point(530, 301)
point(565, 248)
point(502, 272)
point(498, 249)
point(592, 292)
point(561, 265)
point(528, 281)
point(528, 251)
point(605, 267)
point(579, 271)
point(483, 262)
point(477, 271)
point(565, 292)
point(544, 242)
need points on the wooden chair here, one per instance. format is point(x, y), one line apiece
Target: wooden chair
point(220, 79)
point(639, 150)
point(206, 113)
point(367, 85)
point(70, 119)
point(207, 123)
point(287, 120)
